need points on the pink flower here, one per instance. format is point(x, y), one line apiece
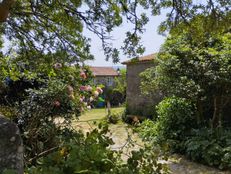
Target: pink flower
point(57, 65)
point(81, 99)
point(83, 75)
point(83, 88)
point(88, 88)
point(99, 90)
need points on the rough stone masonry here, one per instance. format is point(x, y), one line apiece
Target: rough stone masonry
point(11, 147)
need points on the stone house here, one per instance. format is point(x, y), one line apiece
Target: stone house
point(137, 103)
point(104, 75)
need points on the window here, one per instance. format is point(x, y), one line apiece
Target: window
point(109, 81)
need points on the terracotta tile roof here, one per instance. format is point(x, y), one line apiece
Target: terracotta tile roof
point(146, 58)
point(103, 71)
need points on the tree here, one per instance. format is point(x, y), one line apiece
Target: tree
point(57, 25)
point(198, 71)
point(120, 82)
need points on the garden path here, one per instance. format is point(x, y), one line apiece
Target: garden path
point(122, 134)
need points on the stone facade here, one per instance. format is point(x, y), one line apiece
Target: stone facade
point(11, 147)
point(137, 103)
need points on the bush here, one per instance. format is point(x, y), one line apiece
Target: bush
point(38, 116)
point(114, 118)
point(147, 130)
point(176, 127)
point(8, 111)
point(176, 118)
point(210, 147)
point(115, 97)
point(91, 154)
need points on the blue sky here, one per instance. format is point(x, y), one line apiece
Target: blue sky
point(150, 39)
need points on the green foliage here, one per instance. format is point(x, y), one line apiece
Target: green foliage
point(189, 69)
point(90, 153)
point(147, 130)
point(176, 130)
point(176, 118)
point(114, 96)
point(44, 27)
point(174, 123)
point(210, 147)
point(196, 70)
point(8, 111)
point(120, 83)
point(113, 118)
point(9, 172)
point(38, 115)
point(45, 113)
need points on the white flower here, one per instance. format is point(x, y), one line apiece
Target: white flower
point(96, 93)
point(91, 99)
point(57, 65)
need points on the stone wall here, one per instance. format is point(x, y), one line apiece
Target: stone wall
point(136, 102)
point(11, 147)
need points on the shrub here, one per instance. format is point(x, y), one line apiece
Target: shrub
point(91, 154)
point(8, 111)
point(176, 118)
point(115, 97)
point(147, 130)
point(38, 116)
point(181, 135)
point(210, 147)
point(114, 118)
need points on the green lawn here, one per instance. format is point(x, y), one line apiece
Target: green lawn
point(86, 120)
point(100, 113)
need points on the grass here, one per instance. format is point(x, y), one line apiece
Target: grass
point(120, 132)
point(100, 113)
point(88, 119)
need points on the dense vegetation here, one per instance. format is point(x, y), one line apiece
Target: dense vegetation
point(43, 80)
point(194, 75)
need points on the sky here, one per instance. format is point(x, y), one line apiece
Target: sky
point(150, 39)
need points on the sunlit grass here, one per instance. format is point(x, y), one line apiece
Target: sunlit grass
point(99, 113)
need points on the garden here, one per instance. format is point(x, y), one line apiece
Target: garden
point(46, 88)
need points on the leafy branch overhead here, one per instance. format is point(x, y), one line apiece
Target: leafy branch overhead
point(48, 26)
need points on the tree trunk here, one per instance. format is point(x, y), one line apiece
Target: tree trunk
point(5, 6)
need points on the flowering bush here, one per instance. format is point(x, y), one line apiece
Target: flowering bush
point(58, 100)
